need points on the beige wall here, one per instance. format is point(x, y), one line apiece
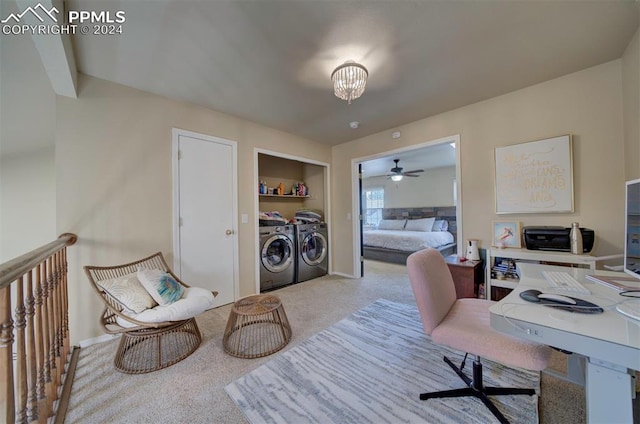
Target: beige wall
point(28, 196)
point(587, 104)
point(631, 98)
point(27, 133)
point(434, 187)
point(315, 177)
point(114, 177)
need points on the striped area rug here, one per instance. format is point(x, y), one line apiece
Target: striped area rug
point(370, 368)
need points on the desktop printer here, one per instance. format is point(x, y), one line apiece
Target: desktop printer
point(555, 238)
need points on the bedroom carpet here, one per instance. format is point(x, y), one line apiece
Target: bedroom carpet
point(370, 368)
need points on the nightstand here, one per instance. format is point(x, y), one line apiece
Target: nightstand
point(467, 276)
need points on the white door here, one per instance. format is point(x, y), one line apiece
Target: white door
point(206, 248)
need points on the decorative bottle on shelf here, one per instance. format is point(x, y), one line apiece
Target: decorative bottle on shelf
point(576, 239)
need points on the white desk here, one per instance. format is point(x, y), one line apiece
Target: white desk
point(609, 341)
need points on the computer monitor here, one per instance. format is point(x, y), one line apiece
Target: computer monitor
point(632, 229)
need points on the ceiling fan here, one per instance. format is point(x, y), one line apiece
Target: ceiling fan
point(397, 174)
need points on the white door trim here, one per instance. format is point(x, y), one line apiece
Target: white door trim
point(355, 212)
point(176, 133)
point(256, 203)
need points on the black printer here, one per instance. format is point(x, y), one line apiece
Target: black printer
point(555, 238)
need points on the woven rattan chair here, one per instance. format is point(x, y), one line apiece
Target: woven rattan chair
point(144, 347)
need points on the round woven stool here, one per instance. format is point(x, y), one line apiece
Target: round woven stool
point(152, 349)
point(257, 326)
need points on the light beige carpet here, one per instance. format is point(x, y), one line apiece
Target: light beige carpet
point(193, 390)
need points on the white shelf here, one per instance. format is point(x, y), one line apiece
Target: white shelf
point(507, 284)
point(587, 261)
point(286, 196)
point(557, 258)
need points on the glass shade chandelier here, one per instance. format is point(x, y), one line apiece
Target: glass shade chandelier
point(349, 80)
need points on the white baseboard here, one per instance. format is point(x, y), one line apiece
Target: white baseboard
point(96, 340)
point(340, 274)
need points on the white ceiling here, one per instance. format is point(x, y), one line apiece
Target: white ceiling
point(425, 158)
point(270, 61)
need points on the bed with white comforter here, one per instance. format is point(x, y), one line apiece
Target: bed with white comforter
point(395, 240)
point(408, 241)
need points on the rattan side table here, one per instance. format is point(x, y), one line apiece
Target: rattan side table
point(257, 326)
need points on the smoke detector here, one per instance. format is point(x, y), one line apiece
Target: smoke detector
point(354, 124)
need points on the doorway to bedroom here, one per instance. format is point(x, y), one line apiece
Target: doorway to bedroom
point(407, 199)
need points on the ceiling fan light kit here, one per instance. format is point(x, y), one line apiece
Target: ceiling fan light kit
point(349, 80)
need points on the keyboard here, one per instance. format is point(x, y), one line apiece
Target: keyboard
point(563, 282)
point(630, 308)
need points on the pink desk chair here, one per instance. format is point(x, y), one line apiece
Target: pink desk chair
point(463, 324)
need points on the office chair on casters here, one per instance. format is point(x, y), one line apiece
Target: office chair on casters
point(463, 324)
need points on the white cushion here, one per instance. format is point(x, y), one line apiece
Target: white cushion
point(128, 292)
point(440, 225)
point(194, 301)
point(423, 224)
point(162, 287)
point(392, 224)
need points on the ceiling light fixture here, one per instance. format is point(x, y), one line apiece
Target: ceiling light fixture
point(349, 80)
point(396, 178)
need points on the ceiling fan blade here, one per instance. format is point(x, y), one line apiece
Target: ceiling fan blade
point(411, 175)
point(414, 171)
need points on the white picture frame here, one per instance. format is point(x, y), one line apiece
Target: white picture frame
point(506, 234)
point(535, 177)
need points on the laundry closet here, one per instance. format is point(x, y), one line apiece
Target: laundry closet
point(293, 232)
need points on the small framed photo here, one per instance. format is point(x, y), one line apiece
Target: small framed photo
point(506, 234)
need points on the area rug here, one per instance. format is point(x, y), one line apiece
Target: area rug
point(370, 368)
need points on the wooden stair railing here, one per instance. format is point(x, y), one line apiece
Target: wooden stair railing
point(34, 334)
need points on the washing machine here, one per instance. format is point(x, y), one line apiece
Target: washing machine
point(313, 251)
point(277, 256)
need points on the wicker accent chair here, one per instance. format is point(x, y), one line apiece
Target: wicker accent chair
point(144, 346)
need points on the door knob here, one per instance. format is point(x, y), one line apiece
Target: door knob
point(229, 232)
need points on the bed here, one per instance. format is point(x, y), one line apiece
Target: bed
point(395, 239)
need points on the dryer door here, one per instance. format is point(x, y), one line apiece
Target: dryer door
point(314, 248)
point(277, 253)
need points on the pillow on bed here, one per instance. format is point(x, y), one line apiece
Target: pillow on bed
point(423, 224)
point(392, 224)
point(440, 225)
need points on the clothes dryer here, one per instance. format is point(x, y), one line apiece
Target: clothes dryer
point(277, 256)
point(313, 251)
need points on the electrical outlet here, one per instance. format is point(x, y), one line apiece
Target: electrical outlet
point(533, 332)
